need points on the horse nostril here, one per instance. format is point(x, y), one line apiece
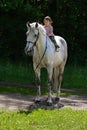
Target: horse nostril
point(35, 35)
point(25, 49)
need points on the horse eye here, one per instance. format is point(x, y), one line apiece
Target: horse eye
point(35, 35)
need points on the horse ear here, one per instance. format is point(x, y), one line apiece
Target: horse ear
point(28, 24)
point(36, 25)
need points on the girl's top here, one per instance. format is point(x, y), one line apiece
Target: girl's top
point(49, 30)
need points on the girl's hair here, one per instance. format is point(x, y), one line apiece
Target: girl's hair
point(48, 18)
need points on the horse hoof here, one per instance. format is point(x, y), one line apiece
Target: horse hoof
point(37, 101)
point(57, 99)
point(49, 104)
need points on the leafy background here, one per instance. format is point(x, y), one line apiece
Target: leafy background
point(69, 21)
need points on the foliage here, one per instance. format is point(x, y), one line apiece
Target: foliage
point(69, 21)
point(11, 4)
point(13, 29)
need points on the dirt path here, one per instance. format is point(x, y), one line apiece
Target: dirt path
point(14, 101)
point(17, 101)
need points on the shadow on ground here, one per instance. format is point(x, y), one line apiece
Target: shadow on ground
point(72, 98)
point(17, 101)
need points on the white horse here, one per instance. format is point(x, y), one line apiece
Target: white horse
point(44, 55)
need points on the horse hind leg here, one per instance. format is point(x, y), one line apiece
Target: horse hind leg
point(55, 78)
point(61, 70)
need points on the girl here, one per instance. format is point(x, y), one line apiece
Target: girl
point(49, 30)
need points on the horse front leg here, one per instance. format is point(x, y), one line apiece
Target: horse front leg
point(37, 74)
point(50, 72)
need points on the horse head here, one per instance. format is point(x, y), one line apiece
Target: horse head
point(32, 37)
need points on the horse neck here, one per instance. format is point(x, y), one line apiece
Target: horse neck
point(41, 44)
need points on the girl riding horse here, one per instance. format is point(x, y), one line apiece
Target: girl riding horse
point(49, 30)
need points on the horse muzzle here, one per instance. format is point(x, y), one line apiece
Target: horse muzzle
point(28, 51)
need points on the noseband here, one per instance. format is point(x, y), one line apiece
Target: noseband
point(34, 43)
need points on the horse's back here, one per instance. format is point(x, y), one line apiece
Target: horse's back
point(60, 41)
point(61, 55)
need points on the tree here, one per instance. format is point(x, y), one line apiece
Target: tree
point(69, 21)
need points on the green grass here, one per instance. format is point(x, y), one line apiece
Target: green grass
point(16, 73)
point(17, 89)
point(40, 119)
point(22, 90)
point(74, 76)
point(33, 91)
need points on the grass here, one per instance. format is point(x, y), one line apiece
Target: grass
point(40, 119)
point(17, 73)
point(33, 91)
point(74, 76)
point(16, 89)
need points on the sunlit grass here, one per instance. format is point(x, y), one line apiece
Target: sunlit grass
point(40, 119)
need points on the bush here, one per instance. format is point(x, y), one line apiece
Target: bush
point(69, 22)
point(13, 29)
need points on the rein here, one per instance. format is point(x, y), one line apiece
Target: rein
point(34, 43)
point(42, 55)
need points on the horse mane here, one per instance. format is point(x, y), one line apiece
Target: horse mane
point(40, 27)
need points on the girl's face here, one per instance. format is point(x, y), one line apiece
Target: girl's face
point(47, 22)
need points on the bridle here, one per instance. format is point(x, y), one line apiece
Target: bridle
point(34, 44)
point(42, 55)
